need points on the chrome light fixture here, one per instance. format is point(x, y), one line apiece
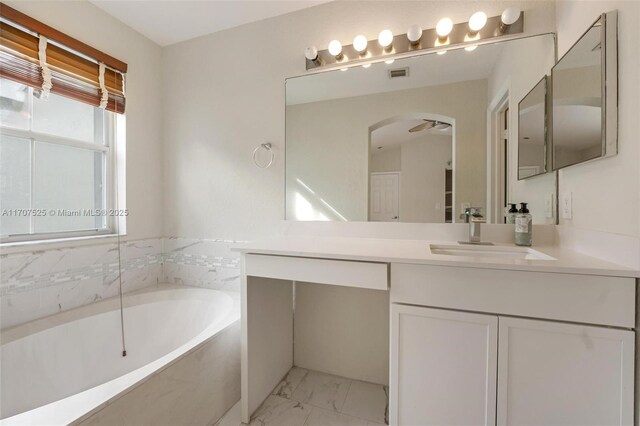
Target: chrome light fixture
point(445, 36)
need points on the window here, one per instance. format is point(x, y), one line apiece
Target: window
point(60, 100)
point(56, 166)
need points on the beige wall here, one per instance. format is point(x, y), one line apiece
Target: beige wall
point(343, 331)
point(577, 82)
point(87, 23)
point(333, 159)
point(422, 183)
point(386, 160)
point(422, 163)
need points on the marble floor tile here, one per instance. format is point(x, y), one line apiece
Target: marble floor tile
point(322, 390)
point(291, 381)
point(311, 398)
point(320, 417)
point(366, 401)
point(277, 411)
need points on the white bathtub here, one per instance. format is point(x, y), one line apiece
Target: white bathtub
point(68, 367)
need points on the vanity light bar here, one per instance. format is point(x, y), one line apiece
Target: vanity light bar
point(388, 46)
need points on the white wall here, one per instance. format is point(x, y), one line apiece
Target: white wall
point(226, 94)
point(521, 69)
point(422, 183)
point(343, 331)
point(89, 24)
point(342, 146)
point(422, 163)
point(606, 192)
point(386, 160)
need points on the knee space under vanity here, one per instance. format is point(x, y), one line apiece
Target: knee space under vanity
point(323, 346)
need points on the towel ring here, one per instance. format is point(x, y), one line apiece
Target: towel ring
point(266, 146)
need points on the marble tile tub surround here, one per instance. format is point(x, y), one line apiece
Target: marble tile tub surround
point(38, 283)
point(310, 398)
point(201, 263)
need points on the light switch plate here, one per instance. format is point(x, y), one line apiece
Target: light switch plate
point(548, 206)
point(567, 206)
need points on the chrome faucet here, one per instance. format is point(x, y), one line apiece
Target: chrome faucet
point(475, 220)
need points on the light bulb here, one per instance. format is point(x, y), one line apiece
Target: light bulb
point(360, 43)
point(471, 48)
point(477, 21)
point(390, 61)
point(510, 15)
point(311, 53)
point(444, 27)
point(414, 33)
point(335, 48)
point(385, 38)
point(366, 65)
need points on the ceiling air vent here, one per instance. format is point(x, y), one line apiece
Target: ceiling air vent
point(399, 72)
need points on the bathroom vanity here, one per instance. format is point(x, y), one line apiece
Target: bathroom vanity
point(478, 335)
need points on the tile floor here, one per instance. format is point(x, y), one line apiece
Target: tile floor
point(309, 398)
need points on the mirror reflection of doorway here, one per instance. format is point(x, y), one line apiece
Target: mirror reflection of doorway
point(384, 203)
point(410, 158)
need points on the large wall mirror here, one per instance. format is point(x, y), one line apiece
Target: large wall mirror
point(416, 140)
point(584, 97)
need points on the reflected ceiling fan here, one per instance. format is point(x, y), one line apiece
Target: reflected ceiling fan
point(430, 124)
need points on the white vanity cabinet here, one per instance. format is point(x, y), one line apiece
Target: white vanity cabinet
point(571, 363)
point(555, 373)
point(445, 364)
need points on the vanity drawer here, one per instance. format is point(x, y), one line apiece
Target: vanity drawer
point(322, 271)
point(565, 297)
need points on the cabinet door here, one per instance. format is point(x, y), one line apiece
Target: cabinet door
point(443, 367)
point(564, 374)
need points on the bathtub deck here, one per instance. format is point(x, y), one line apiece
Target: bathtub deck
point(310, 398)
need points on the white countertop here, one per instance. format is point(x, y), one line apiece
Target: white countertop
point(418, 252)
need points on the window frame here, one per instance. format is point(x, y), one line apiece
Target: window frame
point(104, 123)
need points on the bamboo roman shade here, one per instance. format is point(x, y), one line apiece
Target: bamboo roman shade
point(39, 56)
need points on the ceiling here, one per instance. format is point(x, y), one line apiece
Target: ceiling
point(424, 70)
point(397, 133)
point(169, 22)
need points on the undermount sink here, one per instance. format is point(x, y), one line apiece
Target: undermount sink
point(495, 252)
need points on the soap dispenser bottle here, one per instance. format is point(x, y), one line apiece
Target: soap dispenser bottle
point(524, 226)
point(511, 214)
